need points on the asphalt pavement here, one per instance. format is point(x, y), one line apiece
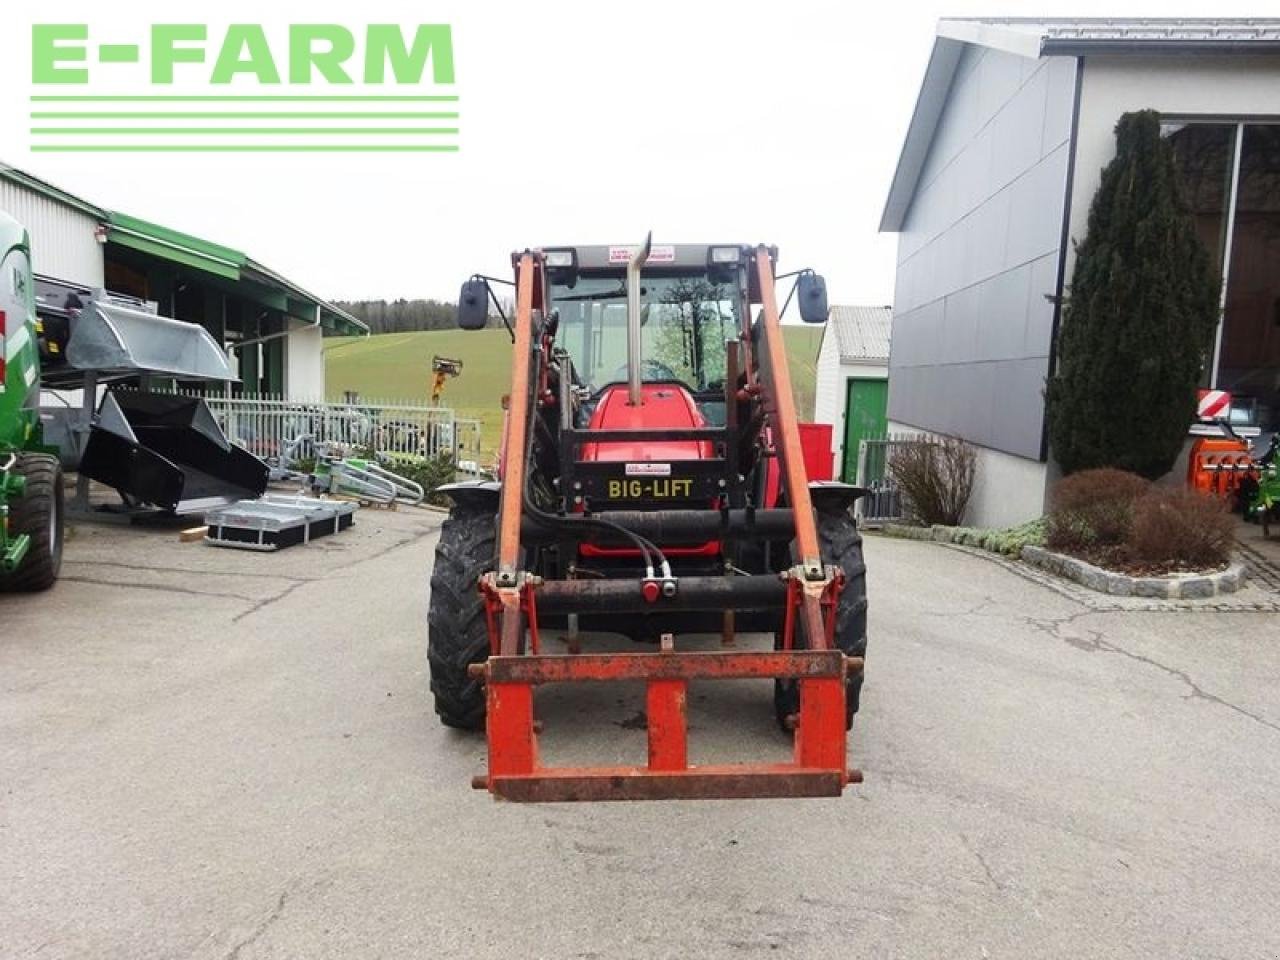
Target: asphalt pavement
point(214, 754)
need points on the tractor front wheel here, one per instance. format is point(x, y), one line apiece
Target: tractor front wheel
point(38, 514)
point(841, 545)
point(457, 632)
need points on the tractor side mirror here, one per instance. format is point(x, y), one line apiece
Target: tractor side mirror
point(473, 305)
point(812, 290)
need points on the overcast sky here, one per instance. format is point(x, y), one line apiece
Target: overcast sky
point(774, 122)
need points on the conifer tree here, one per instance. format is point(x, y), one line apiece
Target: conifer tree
point(1139, 318)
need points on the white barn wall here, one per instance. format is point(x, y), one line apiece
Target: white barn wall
point(304, 364)
point(1007, 490)
point(828, 399)
point(63, 241)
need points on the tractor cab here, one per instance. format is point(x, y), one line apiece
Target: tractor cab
point(691, 301)
point(689, 311)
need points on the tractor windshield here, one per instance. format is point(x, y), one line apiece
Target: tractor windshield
point(685, 320)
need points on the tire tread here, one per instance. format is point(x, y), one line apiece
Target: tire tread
point(30, 514)
point(457, 630)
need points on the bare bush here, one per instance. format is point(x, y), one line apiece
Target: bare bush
point(1181, 529)
point(936, 475)
point(1093, 508)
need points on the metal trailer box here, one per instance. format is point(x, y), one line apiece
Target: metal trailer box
point(274, 522)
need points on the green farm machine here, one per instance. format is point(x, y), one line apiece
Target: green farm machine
point(31, 494)
point(160, 451)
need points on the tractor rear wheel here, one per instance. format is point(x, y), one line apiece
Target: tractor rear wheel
point(841, 546)
point(38, 514)
point(457, 631)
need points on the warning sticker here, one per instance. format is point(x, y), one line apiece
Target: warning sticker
point(648, 469)
point(664, 254)
point(1212, 404)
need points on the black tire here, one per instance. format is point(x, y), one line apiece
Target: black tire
point(457, 632)
point(841, 545)
point(39, 514)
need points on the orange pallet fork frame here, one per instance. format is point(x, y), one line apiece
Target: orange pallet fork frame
point(515, 668)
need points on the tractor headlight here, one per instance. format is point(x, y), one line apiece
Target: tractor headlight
point(724, 255)
point(560, 258)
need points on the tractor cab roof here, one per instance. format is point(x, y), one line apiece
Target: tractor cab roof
point(672, 255)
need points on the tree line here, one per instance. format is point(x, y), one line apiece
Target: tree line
point(401, 316)
point(404, 316)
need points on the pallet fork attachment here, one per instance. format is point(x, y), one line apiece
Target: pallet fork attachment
point(808, 590)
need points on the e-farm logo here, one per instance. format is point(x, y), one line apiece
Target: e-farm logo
point(195, 88)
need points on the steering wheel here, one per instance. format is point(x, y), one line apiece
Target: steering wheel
point(649, 370)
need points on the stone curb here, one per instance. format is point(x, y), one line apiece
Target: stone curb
point(1178, 587)
point(1188, 586)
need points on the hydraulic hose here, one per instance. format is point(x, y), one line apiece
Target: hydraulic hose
point(647, 549)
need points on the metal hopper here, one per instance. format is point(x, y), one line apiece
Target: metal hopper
point(155, 449)
point(168, 451)
point(112, 336)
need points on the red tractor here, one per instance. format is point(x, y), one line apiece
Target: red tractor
point(652, 484)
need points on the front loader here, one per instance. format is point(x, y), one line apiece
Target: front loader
point(651, 484)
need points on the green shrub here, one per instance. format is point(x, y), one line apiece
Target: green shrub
point(1011, 540)
point(1093, 508)
point(1178, 528)
point(428, 472)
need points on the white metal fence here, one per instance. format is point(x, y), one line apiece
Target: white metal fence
point(268, 426)
point(884, 502)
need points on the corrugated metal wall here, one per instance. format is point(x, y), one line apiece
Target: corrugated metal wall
point(978, 255)
point(62, 240)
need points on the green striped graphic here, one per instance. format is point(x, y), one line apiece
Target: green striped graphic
point(93, 120)
point(258, 98)
point(272, 131)
point(237, 115)
point(244, 148)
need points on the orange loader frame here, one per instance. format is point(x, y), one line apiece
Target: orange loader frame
point(515, 667)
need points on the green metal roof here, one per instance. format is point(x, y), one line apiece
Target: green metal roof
point(252, 280)
point(171, 245)
point(331, 317)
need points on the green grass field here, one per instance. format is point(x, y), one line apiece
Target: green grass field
point(397, 366)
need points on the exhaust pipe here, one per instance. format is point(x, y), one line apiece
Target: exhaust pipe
point(637, 261)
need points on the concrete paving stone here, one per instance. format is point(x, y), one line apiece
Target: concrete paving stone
point(1196, 587)
point(1151, 587)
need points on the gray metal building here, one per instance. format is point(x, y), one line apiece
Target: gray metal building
point(1011, 129)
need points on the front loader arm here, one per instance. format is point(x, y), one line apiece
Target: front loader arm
point(529, 275)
